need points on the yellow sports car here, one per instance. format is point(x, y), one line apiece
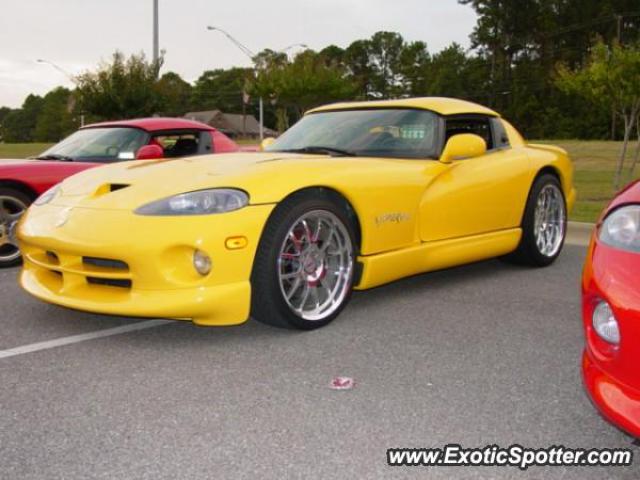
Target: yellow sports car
point(353, 196)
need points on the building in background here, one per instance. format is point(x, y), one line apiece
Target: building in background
point(233, 125)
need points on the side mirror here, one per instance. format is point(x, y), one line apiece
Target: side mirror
point(150, 152)
point(266, 142)
point(463, 145)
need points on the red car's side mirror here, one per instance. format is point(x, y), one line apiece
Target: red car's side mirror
point(150, 152)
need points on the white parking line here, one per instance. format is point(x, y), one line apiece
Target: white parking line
point(83, 337)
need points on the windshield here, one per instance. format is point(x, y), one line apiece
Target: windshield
point(99, 145)
point(396, 133)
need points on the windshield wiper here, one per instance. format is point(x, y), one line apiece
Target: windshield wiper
point(334, 152)
point(55, 156)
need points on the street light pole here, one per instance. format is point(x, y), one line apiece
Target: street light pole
point(251, 55)
point(156, 33)
point(57, 67)
point(71, 78)
point(293, 45)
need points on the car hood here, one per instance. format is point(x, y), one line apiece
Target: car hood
point(267, 177)
point(13, 161)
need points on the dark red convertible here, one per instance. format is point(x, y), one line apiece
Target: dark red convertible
point(22, 181)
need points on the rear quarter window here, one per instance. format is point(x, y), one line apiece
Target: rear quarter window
point(500, 136)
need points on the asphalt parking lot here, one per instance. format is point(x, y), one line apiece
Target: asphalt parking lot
point(477, 355)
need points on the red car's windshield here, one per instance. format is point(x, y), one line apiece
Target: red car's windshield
point(99, 145)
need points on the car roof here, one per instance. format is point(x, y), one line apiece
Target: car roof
point(441, 105)
point(154, 124)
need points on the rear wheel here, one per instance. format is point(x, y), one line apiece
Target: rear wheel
point(544, 225)
point(13, 203)
point(303, 271)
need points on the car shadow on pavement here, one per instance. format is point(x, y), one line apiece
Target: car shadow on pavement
point(432, 283)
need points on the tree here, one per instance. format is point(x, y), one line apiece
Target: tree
point(4, 112)
point(55, 120)
point(611, 77)
point(332, 55)
point(302, 84)
point(124, 88)
point(446, 73)
point(413, 67)
point(385, 51)
point(220, 90)
point(359, 68)
point(19, 125)
point(175, 94)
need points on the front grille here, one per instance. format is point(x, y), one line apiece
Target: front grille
point(63, 269)
point(52, 257)
point(105, 263)
point(109, 282)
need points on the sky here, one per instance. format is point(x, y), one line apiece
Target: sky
point(77, 35)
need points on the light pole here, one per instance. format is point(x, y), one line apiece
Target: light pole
point(57, 67)
point(293, 45)
point(156, 33)
point(71, 78)
point(251, 55)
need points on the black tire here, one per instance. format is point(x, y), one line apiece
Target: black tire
point(6, 251)
point(268, 304)
point(528, 252)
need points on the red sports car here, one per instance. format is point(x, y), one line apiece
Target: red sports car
point(611, 312)
point(22, 181)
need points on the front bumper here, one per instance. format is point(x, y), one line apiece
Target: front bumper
point(610, 373)
point(618, 403)
point(115, 262)
point(571, 197)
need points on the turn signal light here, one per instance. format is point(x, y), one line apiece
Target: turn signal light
point(236, 243)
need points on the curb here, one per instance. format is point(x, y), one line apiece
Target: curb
point(579, 233)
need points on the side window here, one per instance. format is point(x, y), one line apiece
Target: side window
point(179, 144)
point(500, 137)
point(476, 125)
point(205, 145)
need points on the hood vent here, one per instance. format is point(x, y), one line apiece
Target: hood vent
point(108, 188)
point(113, 187)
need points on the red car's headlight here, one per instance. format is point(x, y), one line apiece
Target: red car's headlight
point(621, 228)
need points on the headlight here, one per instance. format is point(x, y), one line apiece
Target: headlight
point(201, 202)
point(621, 228)
point(605, 323)
point(47, 196)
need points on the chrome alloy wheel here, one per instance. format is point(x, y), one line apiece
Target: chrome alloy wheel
point(11, 209)
point(550, 220)
point(315, 265)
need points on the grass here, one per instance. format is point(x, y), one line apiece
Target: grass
point(594, 163)
point(247, 141)
point(22, 150)
point(594, 167)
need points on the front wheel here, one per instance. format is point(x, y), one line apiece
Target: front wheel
point(13, 204)
point(303, 271)
point(544, 225)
